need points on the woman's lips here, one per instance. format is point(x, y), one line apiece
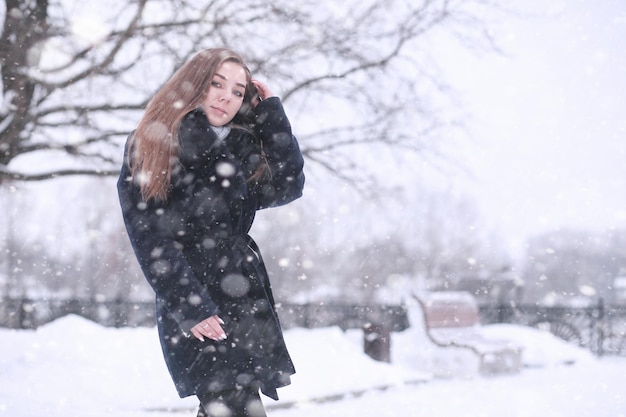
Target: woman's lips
point(220, 111)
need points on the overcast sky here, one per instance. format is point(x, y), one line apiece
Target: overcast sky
point(549, 119)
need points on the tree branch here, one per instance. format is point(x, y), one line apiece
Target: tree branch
point(6, 174)
point(98, 68)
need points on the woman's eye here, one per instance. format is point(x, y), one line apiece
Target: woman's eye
point(215, 84)
point(238, 93)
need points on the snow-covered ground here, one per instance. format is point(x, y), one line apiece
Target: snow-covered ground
point(74, 367)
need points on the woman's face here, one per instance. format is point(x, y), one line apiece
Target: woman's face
point(225, 95)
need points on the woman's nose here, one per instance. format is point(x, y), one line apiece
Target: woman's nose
point(225, 96)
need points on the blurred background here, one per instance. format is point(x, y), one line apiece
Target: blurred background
point(449, 145)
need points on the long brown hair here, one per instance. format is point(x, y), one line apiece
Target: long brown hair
point(155, 143)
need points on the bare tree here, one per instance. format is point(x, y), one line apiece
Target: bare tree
point(76, 76)
point(354, 74)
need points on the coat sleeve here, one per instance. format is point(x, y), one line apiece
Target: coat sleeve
point(154, 232)
point(283, 155)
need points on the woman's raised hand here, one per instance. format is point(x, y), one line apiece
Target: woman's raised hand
point(263, 90)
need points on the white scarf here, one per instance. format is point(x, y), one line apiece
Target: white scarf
point(221, 131)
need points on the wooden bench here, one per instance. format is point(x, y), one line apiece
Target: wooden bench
point(451, 321)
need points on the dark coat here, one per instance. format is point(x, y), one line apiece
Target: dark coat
point(195, 252)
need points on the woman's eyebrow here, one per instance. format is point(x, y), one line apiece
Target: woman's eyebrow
point(217, 74)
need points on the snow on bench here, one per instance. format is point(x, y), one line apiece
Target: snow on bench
point(451, 322)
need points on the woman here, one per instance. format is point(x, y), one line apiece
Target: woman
point(213, 147)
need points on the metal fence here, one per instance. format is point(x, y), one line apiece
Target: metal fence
point(27, 313)
point(30, 314)
point(377, 321)
point(600, 328)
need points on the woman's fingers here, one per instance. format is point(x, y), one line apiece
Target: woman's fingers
point(262, 89)
point(197, 334)
point(210, 328)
